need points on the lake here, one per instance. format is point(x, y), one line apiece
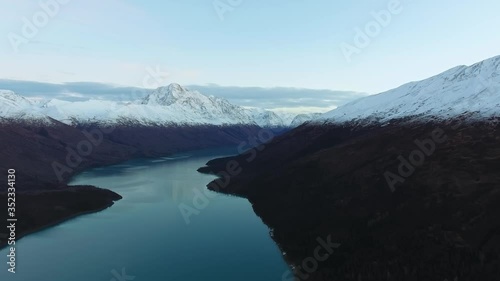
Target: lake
point(145, 237)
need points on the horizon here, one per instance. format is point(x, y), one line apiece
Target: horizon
point(83, 91)
point(280, 99)
point(343, 44)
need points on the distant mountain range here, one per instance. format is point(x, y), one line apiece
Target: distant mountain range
point(171, 105)
point(471, 90)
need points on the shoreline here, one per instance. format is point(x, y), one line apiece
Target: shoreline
point(343, 170)
point(22, 235)
point(49, 208)
point(71, 188)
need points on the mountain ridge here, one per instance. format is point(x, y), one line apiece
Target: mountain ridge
point(372, 176)
point(462, 89)
point(165, 106)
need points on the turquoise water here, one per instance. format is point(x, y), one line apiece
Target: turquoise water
point(144, 237)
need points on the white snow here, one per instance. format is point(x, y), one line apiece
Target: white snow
point(474, 89)
point(303, 118)
point(164, 106)
point(266, 118)
point(15, 107)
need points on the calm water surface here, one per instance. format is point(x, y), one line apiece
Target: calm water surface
point(145, 236)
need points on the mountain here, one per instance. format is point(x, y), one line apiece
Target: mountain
point(165, 106)
point(15, 107)
point(194, 107)
point(48, 142)
point(267, 118)
point(302, 118)
point(463, 89)
point(405, 184)
point(42, 140)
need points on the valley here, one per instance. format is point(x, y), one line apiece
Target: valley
point(405, 181)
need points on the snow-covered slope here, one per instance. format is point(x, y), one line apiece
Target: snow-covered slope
point(79, 112)
point(286, 116)
point(14, 106)
point(302, 118)
point(192, 107)
point(266, 118)
point(171, 105)
point(465, 89)
point(11, 102)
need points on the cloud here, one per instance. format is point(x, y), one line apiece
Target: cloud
point(282, 99)
point(72, 91)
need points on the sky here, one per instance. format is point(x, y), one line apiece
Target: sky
point(364, 46)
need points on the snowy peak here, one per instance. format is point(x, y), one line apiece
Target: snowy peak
point(11, 99)
point(14, 106)
point(176, 88)
point(165, 96)
point(464, 89)
point(303, 118)
point(266, 118)
point(209, 108)
point(165, 106)
point(170, 105)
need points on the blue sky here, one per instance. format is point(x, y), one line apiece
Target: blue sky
point(257, 43)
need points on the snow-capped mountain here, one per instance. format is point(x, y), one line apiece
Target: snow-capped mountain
point(13, 106)
point(169, 105)
point(464, 89)
point(302, 118)
point(90, 111)
point(194, 106)
point(266, 118)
